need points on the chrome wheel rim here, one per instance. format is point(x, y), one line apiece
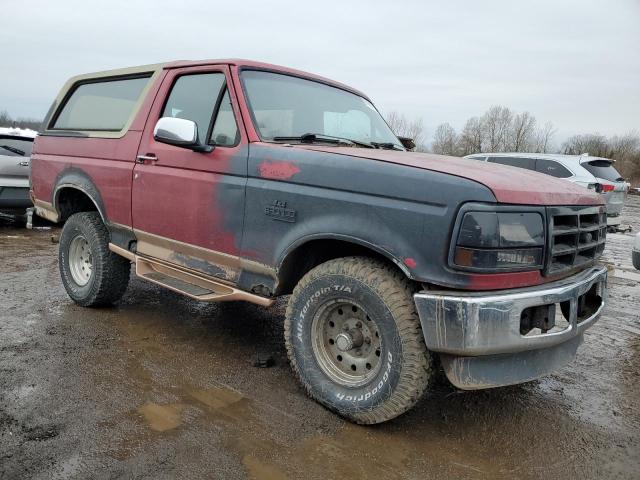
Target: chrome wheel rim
point(346, 342)
point(80, 260)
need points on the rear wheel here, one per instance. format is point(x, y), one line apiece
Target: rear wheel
point(91, 274)
point(354, 339)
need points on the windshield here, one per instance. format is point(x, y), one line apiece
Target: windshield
point(286, 106)
point(603, 169)
point(15, 147)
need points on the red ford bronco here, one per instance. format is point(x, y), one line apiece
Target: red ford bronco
point(236, 180)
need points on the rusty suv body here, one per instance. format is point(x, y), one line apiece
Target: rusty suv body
point(263, 194)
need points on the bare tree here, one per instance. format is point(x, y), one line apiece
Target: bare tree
point(445, 140)
point(496, 123)
point(403, 127)
point(7, 121)
point(625, 149)
point(471, 139)
point(543, 138)
point(591, 143)
point(521, 132)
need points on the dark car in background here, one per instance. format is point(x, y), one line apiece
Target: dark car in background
point(15, 153)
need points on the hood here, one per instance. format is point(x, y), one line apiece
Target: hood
point(508, 184)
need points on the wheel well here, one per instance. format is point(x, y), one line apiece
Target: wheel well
point(71, 200)
point(311, 254)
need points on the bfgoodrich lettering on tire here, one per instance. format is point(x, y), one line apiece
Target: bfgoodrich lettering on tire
point(354, 339)
point(91, 274)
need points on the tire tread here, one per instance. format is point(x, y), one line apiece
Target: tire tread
point(396, 291)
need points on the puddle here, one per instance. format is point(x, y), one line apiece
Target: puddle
point(162, 417)
point(262, 471)
point(217, 398)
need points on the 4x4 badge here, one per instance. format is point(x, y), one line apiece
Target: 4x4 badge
point(279, 211)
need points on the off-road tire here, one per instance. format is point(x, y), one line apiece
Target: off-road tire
point(406, 365)
point(110, 275)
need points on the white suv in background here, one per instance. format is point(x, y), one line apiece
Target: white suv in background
point(595, 173)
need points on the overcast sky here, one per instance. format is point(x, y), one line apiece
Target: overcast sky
point(573, 62)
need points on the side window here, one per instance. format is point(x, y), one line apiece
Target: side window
point(528, 163)
point(194, 97)
point(101, 105)
point(225, 130)
point(552, 168)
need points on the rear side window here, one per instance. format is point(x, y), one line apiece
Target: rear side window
point(528, 163)
point(603, 169)
point(549, 167)
point(101, 106)
point(15, 147)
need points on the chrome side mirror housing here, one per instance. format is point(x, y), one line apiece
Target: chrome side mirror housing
point(179, 132)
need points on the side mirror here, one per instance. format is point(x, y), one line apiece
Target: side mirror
point(179, 132)
point(407, 143)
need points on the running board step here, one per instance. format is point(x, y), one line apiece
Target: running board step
point(191, 284)
point(177, 284)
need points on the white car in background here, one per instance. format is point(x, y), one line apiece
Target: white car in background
point(595, 173)
point(15, 153)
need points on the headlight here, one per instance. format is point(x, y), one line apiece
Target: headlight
point(493, 241)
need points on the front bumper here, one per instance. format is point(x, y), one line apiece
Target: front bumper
point(479, 334)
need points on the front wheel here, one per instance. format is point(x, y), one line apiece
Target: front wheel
point(91, 274)
point(354, 339)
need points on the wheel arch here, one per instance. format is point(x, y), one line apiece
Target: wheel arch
point(312, 250)
point(75, 192)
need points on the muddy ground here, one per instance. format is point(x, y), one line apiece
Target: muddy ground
point(163, 387)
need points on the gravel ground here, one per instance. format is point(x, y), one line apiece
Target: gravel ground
point(163, 387)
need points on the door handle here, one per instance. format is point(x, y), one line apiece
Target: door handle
point(146, 158)
point(24, 163)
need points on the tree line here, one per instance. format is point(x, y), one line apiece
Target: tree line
point(501, 129)
point(7, 120)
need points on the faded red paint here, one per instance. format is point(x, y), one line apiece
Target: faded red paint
point(184, 186)
point(410, 262)
point(275, 170)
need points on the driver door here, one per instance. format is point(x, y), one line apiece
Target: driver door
point(187, 206)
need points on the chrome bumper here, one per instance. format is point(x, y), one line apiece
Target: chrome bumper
point(478, 334)
point(473, 324)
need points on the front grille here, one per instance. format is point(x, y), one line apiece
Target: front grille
point(576, 237)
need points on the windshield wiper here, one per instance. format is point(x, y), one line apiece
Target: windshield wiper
point(17, 151)
point(321, 137)
point(386, 145)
